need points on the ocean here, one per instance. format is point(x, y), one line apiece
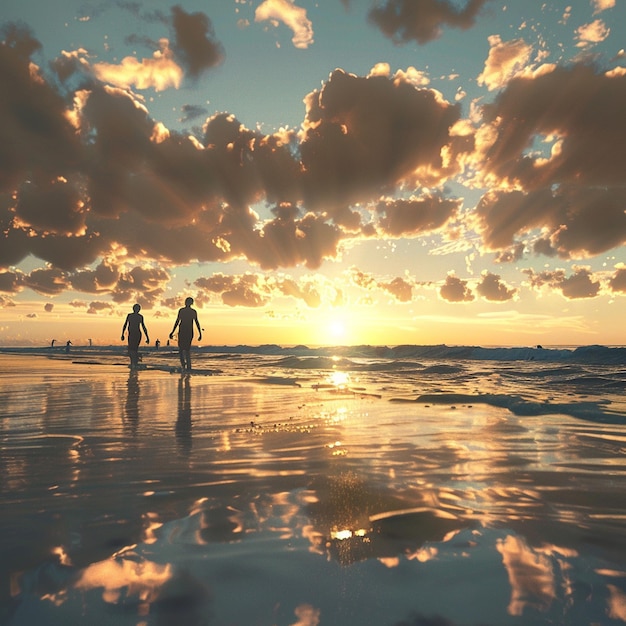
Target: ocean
point(298, 486)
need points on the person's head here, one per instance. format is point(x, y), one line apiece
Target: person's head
point(188, 301)
point(137, 308)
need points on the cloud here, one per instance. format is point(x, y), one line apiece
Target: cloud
point(455, 290)
point(617, 282)
point(96, 307)
point(52, 206)
point(399, 288)
point(361, 279)
point(255, 290)
point(11, 281)
point(602, 5)
point(48, 282)
point(592, 33)
point(579, 221)
point(293, 16)
point(504, 61)
point(247, 290)
point(191, 112)
point(195, 42)
point(422, 20)
point(142, 284)
point(159, 73)
point(491, 287)
point(511, 255)
point(118, 184)
point(307, 292)
point(192, 50)
point(100, 280)
point(580, 284)
point(564, 161)
point(91, 176)
point(415, 216)
point(584, 139)
point(362, 135)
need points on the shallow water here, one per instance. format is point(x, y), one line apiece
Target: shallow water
point(274, 494)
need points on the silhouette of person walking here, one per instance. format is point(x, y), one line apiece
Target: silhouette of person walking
point(184, 322)
point(134, 322)
point(67, 346)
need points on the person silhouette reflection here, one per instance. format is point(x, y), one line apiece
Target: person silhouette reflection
point(183, 422)
point(131, 408)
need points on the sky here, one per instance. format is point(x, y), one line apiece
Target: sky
point(314, 172)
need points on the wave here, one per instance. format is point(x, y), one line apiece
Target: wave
point(592, 354)
point(583, 354)
point(594, 411)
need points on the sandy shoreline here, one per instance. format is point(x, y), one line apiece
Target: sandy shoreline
point(307, 500)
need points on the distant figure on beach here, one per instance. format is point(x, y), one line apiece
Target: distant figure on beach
point(184, 322)
point(67, 346)
point(157, 344)
point(134, 322)
point(52, 344)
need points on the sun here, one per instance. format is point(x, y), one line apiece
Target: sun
point(337, 329)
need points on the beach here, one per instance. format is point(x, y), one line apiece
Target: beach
point(295, 487)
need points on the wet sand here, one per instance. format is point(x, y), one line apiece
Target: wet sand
point(155, 498)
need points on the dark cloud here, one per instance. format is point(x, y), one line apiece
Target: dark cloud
point(37, 141)
point(48, 282)
point(582, 221)
point(11, 282)
point(399, 288)
point(254, 290)
point(573, 189)
point(617, 283)
point(99, 176)
point(579, 105)
point(247, 290)
point(192, 112)
point(580, 284)
point(512, 254)
point(544, 246)
point(101, 280)
point(51, 206)
point(422, 20)
point(455, 290)
point(491, 287)
point(365, 135)
point(195, 41)
point(96, 307)
point(144, 285)
point(415, 216)
point(87, 175)
point(308, 293)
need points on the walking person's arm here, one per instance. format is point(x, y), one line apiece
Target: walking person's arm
point(125, 325)
point(176, 323)
point(199, 329)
